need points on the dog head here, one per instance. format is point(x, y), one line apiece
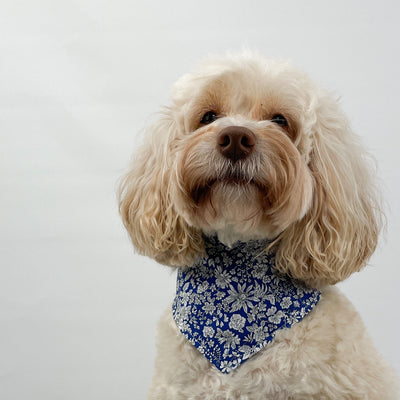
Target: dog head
point(251, 149)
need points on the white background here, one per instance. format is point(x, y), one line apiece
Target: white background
point(78, 81)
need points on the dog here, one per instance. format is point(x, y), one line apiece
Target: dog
point(253, 185)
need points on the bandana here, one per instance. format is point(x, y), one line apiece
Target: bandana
point(231, 303)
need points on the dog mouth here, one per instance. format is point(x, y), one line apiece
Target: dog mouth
point(230, 180)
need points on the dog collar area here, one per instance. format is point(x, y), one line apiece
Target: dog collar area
point(231, 303)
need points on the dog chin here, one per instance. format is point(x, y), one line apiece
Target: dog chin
point(233, 211)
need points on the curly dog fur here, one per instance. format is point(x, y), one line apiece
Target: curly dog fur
point(307, 183)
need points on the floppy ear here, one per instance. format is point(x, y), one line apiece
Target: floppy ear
point(146, 205)
point(340, 232)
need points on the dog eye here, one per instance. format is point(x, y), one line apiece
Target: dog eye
point(208, 117)
point(279, 119)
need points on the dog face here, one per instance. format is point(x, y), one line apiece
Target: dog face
point(241, 167)
point(253, 149)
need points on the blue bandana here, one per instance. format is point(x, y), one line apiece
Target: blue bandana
point(231, 303)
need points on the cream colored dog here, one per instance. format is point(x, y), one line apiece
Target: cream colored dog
point(253, 149)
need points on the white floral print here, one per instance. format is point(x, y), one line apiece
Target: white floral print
point(241, 297)
point(286, 302)
point(208, 331)
point(228, 338)
point(230, 304)
point(237, 322)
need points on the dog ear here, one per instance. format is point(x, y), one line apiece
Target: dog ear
point(340, 232)
point(146, 205)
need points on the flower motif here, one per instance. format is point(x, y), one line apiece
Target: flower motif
point(202, 287)
point(246, 350)
point(209, 308)
point(237, 322)
point(228, 338)
point(183, 312)
point(258, 332)
point(223, 278)
point(241, 298)
point(208, 331)
point(225, 367)
point(272, 310)
point(276, 318)
point(270, 298)
point(260, 291)
point(220, 295)
point(259, 270)
point(286, 302)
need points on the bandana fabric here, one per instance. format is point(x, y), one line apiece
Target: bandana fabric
point(231, 303)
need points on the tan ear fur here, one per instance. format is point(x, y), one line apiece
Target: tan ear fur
point(145, 205)
point(340, 232)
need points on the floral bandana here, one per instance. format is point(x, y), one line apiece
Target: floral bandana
point(231, 303)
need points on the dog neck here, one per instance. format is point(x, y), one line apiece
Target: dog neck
point(231, 303)
point(229, 236)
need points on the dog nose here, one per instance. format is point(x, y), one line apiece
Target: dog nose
point(236, 142)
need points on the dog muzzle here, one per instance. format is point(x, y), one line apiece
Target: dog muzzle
point(231, 303)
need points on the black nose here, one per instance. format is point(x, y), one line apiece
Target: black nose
point(236, 142)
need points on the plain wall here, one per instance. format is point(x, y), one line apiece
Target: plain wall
point(78, 81)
